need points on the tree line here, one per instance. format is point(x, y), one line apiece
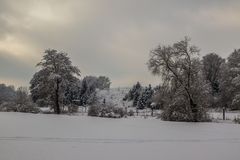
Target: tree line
point(57, 85)
point(190, 84)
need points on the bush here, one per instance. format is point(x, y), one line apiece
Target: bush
point(107, 111)
point(169, 115)
point(119, 111)
point(73, 109)
point(13, 107)
point(28, 108)
point(94, 110)
point(237, 120)
point(179, 113)
point(131, 113)
point(8, 107)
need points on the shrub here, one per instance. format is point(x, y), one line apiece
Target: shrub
point(94, 110)
point(131, 113)
point(107, 111)
point(179, 113)
point(28, 108)
point(119, 111)
point(8, 107)
point(237, 120)
point(13, 107)
point(73, 108)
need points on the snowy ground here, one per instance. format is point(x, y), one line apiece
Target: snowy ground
point(229, 115)
point(54, 137)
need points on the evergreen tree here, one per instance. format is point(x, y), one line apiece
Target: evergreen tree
point(230, 86)
point(134, 94)
point(211, 70)
point(145, 98)
point(88, 90)
point(72, 93)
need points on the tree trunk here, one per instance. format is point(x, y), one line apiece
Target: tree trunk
point(194, 110)
point(57, 106)
point(224, 110)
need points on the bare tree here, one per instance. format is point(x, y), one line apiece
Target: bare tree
point(179, 66)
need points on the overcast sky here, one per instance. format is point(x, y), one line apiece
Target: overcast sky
point(110, 37)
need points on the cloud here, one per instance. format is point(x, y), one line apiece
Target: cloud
point(14, 70)
point(111, 37)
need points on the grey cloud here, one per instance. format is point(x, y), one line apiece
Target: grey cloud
point(114, 37)
point(13, 68)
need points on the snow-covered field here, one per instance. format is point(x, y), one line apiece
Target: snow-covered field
point(62, 137)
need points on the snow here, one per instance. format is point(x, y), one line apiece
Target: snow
point(229, 115)
point(61, 137)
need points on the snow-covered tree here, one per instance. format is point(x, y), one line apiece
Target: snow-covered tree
point(211, 70)
point(18, 101)
point(23, 102)
point(72, 93)
point(134, 94)
point(230, 86)
point(7, 93)
point(180, 68)
point(212, 64)
point(103, 82)
point(88, 90)
point(89, 86)
point(56, 72)
point(161, 96)
point(145, 99)
point(22, 96)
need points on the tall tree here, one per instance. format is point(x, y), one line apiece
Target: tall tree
point(145, 99)
point(179, 65)
point(22, 96)
point(134, 94)
point(55, 74)
point(72, 93)
point(161, 96)
point(230, 86)
point(103, 82)
point(88, 90)
point(7, 93)
point(211, 70)
point(234, 59)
